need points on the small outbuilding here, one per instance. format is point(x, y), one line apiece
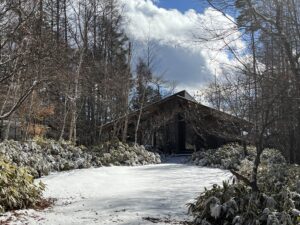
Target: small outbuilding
point(178, 124)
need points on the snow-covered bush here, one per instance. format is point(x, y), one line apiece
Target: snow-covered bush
point(226, 157)
point(118, 153)
point(236, 204)
point(42, 156)
point(276, 203)
point(232, 156)
point(273, 167)
point(17, 189)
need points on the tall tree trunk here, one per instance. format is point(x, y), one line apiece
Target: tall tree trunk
point(1, 129)
point(7, 129)
point(57, 20)
point(139, 118)
point(126, 96)
point(254, 180)
point(125, 130)
point(62, 132)
point(73, 132)
point(66, 22)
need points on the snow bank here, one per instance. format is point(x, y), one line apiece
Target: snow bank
point(122, 195)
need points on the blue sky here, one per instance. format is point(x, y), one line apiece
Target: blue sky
point(174, 35)
point(185, 5)
point(182, 5)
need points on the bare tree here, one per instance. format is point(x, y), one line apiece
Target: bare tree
point(268, 72)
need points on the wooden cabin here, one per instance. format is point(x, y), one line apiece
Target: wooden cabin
point(178, 124)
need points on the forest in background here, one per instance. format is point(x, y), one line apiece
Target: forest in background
point(263, 85)
point(66, 69)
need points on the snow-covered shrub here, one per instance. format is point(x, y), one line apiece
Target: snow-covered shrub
point(226, 157)
point(118, 153)
point(272, 156)
point(42, 156)
point(232, 156)
point(236, 204)
point(17, 188)
point(277, 202)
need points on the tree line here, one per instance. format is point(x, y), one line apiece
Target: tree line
point(263, 86)
point(66, 69)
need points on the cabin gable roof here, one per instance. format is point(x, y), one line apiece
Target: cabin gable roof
point(182, 97)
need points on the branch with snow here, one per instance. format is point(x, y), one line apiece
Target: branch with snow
point(20, 101)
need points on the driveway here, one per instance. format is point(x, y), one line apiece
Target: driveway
point(154, 194)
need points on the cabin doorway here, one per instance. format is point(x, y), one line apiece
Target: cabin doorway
point(181, 135)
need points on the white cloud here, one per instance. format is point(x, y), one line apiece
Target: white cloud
point(190, 63)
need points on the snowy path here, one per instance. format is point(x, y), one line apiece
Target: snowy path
point(123, 195)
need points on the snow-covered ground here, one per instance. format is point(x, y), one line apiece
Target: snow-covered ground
point(122, 195)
